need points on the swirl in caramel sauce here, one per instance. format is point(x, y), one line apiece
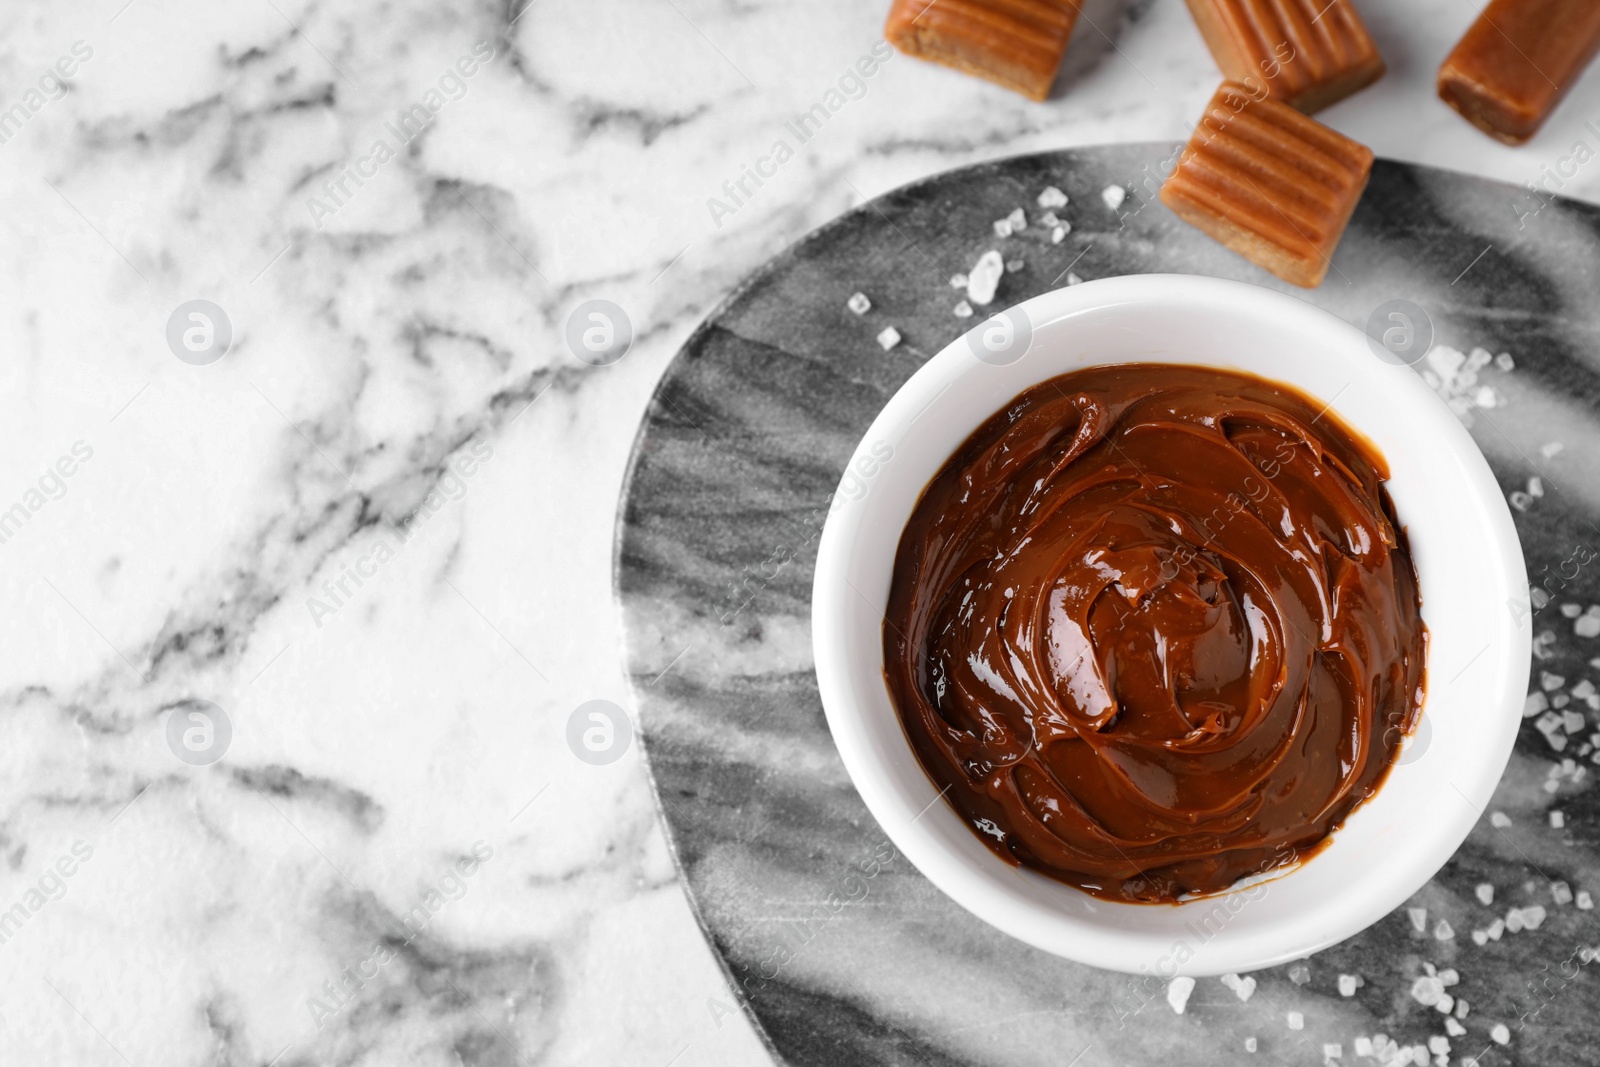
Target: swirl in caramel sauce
point(1156, 628)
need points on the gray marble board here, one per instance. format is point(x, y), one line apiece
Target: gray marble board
point(837, 948)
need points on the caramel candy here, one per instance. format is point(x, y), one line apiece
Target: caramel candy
point(1516, 63)
point(1014, 43)
point(1268, 182)
point(1307, 53)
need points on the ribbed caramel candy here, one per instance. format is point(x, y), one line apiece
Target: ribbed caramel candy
point(1517, 61)
point(1308, 53)
point(1014, 43)
point(1271, 184)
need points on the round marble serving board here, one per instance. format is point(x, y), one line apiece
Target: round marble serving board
point(841, 952)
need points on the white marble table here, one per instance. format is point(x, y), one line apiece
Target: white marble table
point(398, 858)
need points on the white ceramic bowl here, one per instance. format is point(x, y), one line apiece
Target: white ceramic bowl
point(1468, 562)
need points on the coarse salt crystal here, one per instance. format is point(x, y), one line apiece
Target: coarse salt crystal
point(1445, 361)
point(1058, 235)
point(1496, 928)
point(1532, 916)
point(1002, 227)
point(1536, 486)
point(1551, 681)
point(1178, 991)
point(1113, 195)
point(1442, 931)
point(1419, 918)
point(1500, 1035)
point(1052, 197)
point(1485, 893)
point(1514, 921)
point(1249, 1044)
point(1073, 279)
point(888, 338)
point(1535, 703)
point(1585, 901)
point(1561, 892)
point(1333, 1052)
point(1453, 1028)
point(1300, 974)
point(1427, 990)
point(1438, 1045)
point(1347, 985)
point(1584, 689)
point(958, 281)
point(1480, 938)
point(1296, 1020)
point(963, 310)
point(1549, 449)
point(1574, 721)
point(1449, 976)
point(1363, 1045)
point(1242, 987)
point(1461, 1008)
point(1014, 265)
point(984, 278)
point(1479, 358)
point(1048, 219)
point(1446, 1002)
point(1499, 819)
point(1560, 700)
point(1587, 626)
point(1018, 220)
point(1485, 397)
point(1572, 611)
point(859, 303)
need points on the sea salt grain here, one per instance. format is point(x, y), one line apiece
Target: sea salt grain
point(1532, 916)
point(1499, 819)
point(1058, 234)
point(1052, 197)
point(1073, 279)
point(859, 303)
point(1558, 821)
point(1300, 974)
point(1480, 938)
point(1018, 220)
point(1427, 990)
point(985, 278)
point(1574, 721)
point(958, 281)
point(963, 310)
point(1242, 987)
point(1419, 918)
point(1347, 985)
point(1002, 227)
point(1449, 977)
point(1178, 991)
point(1500, 1035)
point(1363, 1045)
point(1536, 703)
point(1485, 893)
point(1587, 626)
point(888, 338)
point(1438, 1045)
point(1442, 931)
point(1453, 1028)
point(1496, 928)
point(1297, 1021)
point(1014, 265)
point(1113, 195)
point(1333, 1052)
point(1572, 611)
point(1505, 362)
point(1249, 1044)
point(1551, 681)
point(1549, 449)
point(1585, 901)
point(1561, 892)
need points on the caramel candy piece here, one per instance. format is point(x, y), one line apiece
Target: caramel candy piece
point(1268, 182)
point(1516, 63)
point(1014, 43)
point(1307, 53)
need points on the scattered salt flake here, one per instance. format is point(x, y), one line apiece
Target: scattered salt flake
point(1533, 915)
point(1347, 985)
point(1058, 234)
point(1445, 361)
point(1536, 703)
point(1548, 723)
point(1446, 1002)
point(1002, 227)
point(1052, 197)
point(1249, 1044)
point(1427, 990)
point(1333, 1052)
point(1449, 976)
point(1557, 742)
point(888, 338)
point(1585, 901)
point(1242, 987)
point(1296, 1020)
point(1438, 1045)
point(1514, 921)
point(1014, 265)
point(1480, 938)
point(1363, 1045)
point(1018, 220)
point(1419, 918)
point(1461, 1008)
point(1500, 1035)
point(1560, 700)
point(1496, 928)
point(1586, 688)
point(1113, 195)
point(1561, 892)
point(1551, 681)
point(1549, 449)
point(1499, 819)
point(1536, 486)
point(1485, 397)
point(1073, 279)
point(1300, 974)
point(1505, 362)
point(963, 310)
point(1479, 358)
point(1587, 626)
point(1178, 991)
point(1442, 931)
point(1572, 611)
point(985, 278)
point(1553, 786)
point(1485, 893)
point(1574, 721)
point(1048, 219)
point(859, 303)
point(1453, 1028)
point(958, 281)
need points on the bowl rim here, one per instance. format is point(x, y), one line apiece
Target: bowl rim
point(1020, 913)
